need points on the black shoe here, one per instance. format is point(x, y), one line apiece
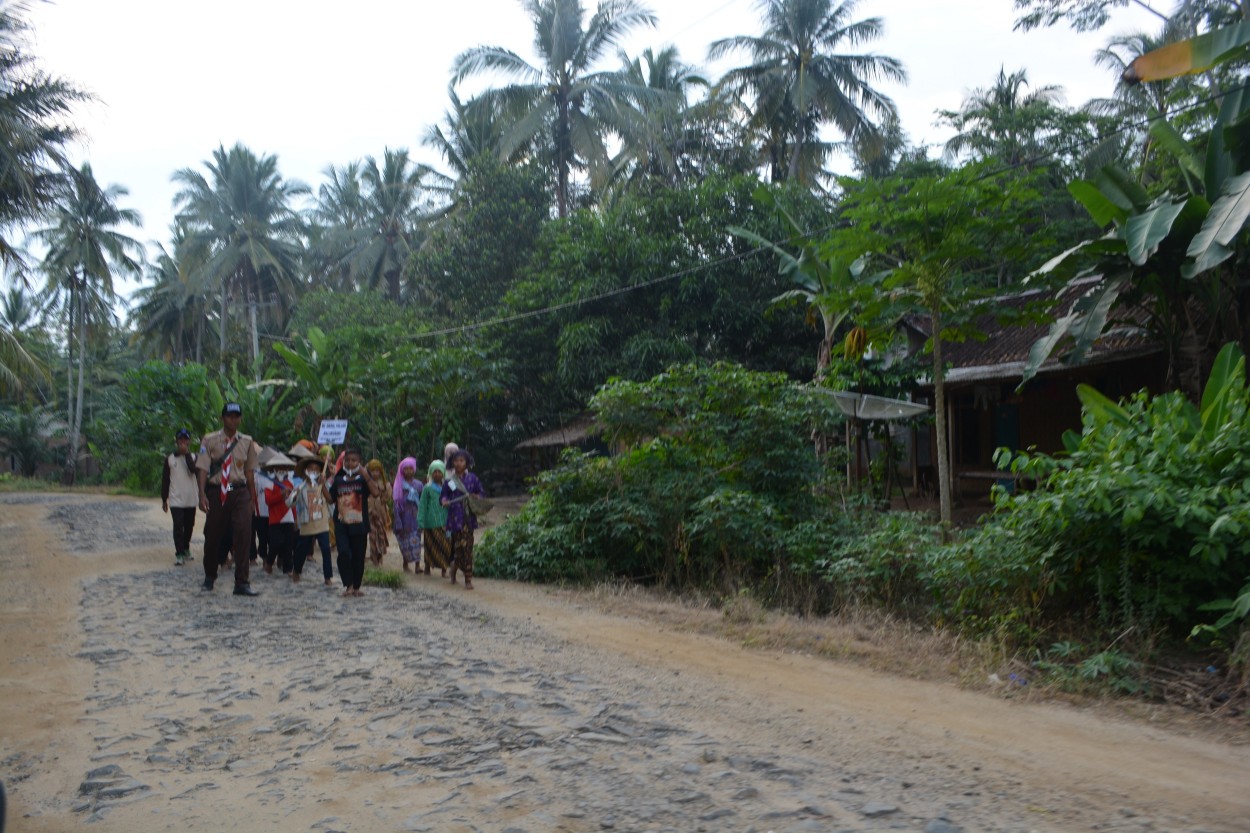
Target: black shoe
point(207, 586)
point(245, 590)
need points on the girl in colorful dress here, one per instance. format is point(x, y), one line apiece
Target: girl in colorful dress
point(461, 522)
point(432, 518)
point(380, 517)
point(406, 496)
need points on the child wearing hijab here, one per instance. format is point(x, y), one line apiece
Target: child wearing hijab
point(406, 496)
point(380, 518)
point(460, 521)
point(432, 518)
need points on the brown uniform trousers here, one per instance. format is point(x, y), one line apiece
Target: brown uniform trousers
point(232, 518)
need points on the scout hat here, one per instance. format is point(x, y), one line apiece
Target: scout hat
point(182, 434)
point(232, 408)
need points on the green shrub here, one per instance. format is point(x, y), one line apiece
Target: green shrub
point(1145, 518)
point(720, 490)
point(720, 463)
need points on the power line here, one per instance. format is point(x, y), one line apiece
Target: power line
point(703, 19)
point(508, 319)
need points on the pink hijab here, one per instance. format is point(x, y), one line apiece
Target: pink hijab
point(397, 491)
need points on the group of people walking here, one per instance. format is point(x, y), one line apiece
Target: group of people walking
point(275, 507)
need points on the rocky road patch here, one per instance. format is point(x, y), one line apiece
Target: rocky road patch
point(459, 719)
point(425, 710)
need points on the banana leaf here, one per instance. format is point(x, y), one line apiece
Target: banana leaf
point(1189, 56)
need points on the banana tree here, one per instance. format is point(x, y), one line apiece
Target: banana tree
point(830, 276)
point(321, 374)
point(1167, 257)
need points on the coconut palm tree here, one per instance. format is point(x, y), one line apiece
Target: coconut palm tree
point(243, 215)
point(23, 343)
point(373, 216)
point(659, 132)
point(1137, 104)
point(34, 107)
point(799, 81)
point(85, 249)
point(1008, 120)
point(173, 311)
point(334, 224)
point(469, 130)
point(15, 362)
point(564, 104)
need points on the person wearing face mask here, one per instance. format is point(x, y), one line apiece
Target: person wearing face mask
point(280, 517)
point(311, 501)
point(350, 490)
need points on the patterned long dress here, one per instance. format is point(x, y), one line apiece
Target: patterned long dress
point(407, 531)
point(460, 521)
point(379, 521)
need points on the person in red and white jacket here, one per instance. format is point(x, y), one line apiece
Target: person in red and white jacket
point(282, 528)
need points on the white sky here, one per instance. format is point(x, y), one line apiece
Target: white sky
point(322, 81)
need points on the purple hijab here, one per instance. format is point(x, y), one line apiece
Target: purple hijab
point(397, 490)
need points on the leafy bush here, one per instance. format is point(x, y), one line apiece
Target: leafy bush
point(720, 461)
point(26, 434)
point(1147, 516)
point(720, 489)
point(156, 400)
point(131, 439)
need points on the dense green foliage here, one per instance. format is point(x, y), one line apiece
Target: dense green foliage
point(718, 466)
point(717, 487)
point(707, 300)
point(1145, 519)
point(134, 441)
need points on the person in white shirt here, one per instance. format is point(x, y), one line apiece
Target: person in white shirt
point(180, 494)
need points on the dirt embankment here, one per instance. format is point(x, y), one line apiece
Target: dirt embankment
point(131, 701)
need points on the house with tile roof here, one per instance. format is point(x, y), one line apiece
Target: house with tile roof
point(987, 408)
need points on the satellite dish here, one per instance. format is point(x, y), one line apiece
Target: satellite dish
point(867, 406)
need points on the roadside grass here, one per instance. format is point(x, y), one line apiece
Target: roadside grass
point(12, 483)
point(882, 642)
point(380, 577)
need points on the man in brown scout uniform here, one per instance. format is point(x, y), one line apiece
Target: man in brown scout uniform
point(227, 473)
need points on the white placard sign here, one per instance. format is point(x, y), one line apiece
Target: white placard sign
point(332, 432)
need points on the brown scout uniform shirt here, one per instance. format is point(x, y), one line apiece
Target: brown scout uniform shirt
point(243, 457)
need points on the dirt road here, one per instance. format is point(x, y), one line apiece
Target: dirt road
point(131, 701)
